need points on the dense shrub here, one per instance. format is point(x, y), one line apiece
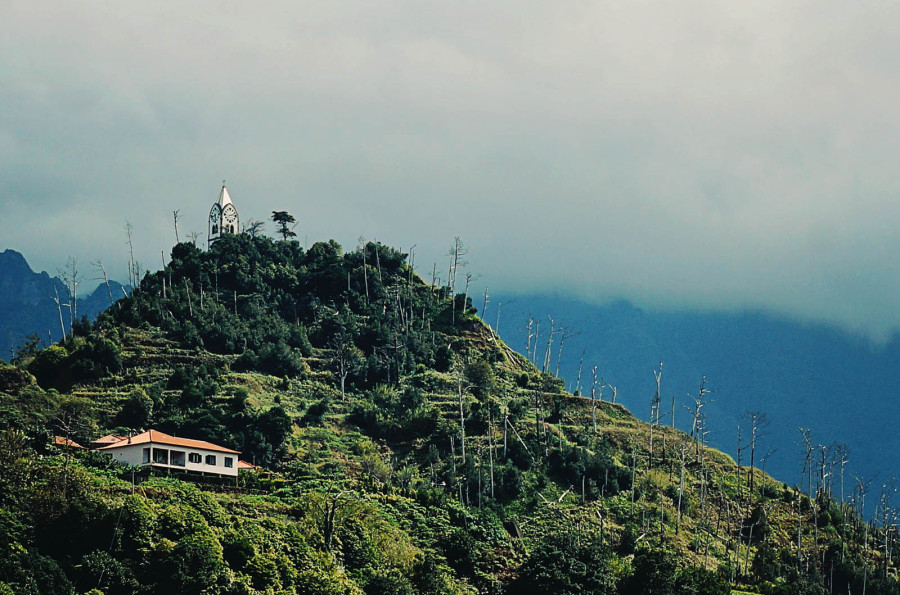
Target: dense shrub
point(567, 564)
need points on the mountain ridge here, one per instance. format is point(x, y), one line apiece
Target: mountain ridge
point(803, 374)
point(28, 306)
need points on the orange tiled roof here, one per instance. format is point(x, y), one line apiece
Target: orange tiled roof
point(157, 437)
point(62, 441)
point(246, 465)
point(108, 439)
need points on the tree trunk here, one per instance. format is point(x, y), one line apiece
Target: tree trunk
point(680, 488)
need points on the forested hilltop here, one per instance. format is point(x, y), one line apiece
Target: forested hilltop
point(404, 449)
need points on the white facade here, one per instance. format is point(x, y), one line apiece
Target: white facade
point(223, 217)
point(155, 449)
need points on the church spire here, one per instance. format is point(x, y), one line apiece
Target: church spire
point(224, 198)
point(223, 217)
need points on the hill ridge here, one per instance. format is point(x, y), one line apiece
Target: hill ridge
point(416, 450)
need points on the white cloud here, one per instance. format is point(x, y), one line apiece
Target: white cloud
point(690, 154)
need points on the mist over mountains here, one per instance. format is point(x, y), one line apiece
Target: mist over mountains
point(27, 303)
point(800, 374)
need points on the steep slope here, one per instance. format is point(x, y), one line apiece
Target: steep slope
point(407, 449)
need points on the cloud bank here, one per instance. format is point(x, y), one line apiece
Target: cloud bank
point(681, 155)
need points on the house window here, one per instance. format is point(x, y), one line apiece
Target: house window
point(210, 459)
point(161, 455)
point(145, 458)
point(229, 462)
point(215, 229)
point(195, 457)
point(177, 458)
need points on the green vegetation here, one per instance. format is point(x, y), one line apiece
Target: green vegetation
point(405, 449)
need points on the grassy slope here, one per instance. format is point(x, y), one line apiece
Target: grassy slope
point(337, 448)
point(332, 454)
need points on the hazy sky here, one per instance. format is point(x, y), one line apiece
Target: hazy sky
point(678, 154)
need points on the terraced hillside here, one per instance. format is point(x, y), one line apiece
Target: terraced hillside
point(404, 449)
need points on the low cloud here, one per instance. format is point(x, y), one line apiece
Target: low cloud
point(682, 155)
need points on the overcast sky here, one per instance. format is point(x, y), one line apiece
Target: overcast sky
point(680, 154)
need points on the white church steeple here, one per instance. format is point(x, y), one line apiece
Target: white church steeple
point(223, 217)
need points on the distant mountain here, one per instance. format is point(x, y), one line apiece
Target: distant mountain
point(814, 376)
point(27, 303)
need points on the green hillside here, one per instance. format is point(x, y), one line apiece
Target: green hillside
point(404, 448)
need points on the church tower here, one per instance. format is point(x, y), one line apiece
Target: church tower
point(223, 217)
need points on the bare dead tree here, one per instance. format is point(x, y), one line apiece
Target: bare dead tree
point(821, 480)
point(594, 398)
point(697, 412)
point(654, 409)
point(684, 449)
point(175, 219)
point(59, 307)
point(516, 433)
point(462, 386)
point(132, 270)
point(633, 473)
point(187, 293)
point(348, 358)
point(578, 376)
point(457, 251)
point(842, 454)
point(758, 422)
point(567, 333)
point(194, 235)
point(545, 367)
point(162, 257)
point(253, 228)
point(465, 305)
point(673, 411)
point(737, 466)
point(70, 419)
point(657, 398)
point(797, 493)
point(530, 335)
point(484, 304)
point(862, 488)
point(491, 446)
point(72, 278)
point(806, 436)
point(364, 249)
point(330, 510)
point(98, 264)
point(411, 268)
point(763, 459)
point(887, 515)
point(377, 245)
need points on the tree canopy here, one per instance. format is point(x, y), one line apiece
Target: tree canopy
point(285, 223)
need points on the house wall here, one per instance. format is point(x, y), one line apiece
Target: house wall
point(133, 454)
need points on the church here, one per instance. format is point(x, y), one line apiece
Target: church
point(223, 217)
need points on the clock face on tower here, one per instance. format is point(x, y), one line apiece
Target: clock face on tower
point(229, 218)
point(214, 215)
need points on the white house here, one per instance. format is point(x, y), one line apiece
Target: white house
point(155, 449)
